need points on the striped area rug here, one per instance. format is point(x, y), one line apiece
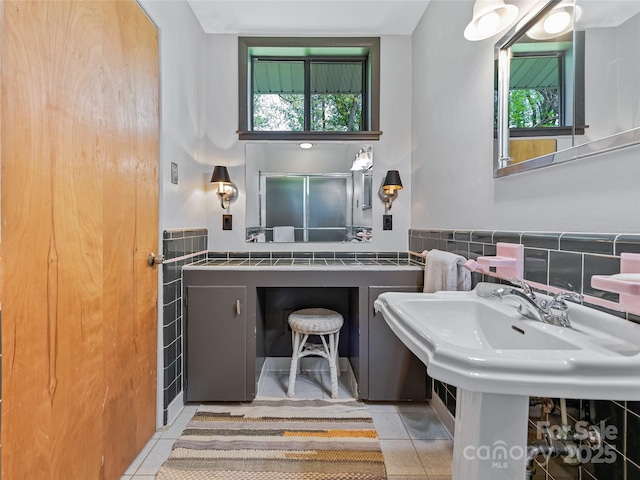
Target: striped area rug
point(278, 440)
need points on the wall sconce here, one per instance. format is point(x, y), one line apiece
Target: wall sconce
point(490, 17)
point(388, 193)
point(363, 160)
point(390, 187)
point(225, 189)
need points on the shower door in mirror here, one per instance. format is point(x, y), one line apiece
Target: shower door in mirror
point(316, 206)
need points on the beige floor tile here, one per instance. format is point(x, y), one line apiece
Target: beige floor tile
point(389, 426)
point(401, 458)
point(435, 455)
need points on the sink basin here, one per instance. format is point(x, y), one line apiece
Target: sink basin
point(498, 359)
point(483, 344)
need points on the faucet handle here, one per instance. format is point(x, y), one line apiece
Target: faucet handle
point(558, 309)
point(559, 299)
point(526, 288)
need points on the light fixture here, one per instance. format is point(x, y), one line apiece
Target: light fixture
point(392, 183)
point(557, 22)
point(490, 17)
point(305, 145)
point(225, 189)
point(363, 160)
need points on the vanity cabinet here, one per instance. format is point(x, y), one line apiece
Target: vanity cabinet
point(216, 339)
point(395, 373)
point(226, 348)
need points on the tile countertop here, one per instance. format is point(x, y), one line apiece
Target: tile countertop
point(304, 263)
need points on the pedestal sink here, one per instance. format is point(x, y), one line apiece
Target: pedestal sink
point(498, 359)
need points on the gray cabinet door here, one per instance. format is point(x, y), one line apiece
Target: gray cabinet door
point(395, 373)
point(216, 332)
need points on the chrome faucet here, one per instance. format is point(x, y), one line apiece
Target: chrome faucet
point(528, 306)
point(558, 308)
point(555, 312)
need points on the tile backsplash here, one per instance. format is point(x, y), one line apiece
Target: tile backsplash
point(566, 261)
point(179, 247)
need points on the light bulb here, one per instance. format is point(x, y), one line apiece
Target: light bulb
point(488, 24)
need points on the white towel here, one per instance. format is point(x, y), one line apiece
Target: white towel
point(283, 234)
point(445, 271)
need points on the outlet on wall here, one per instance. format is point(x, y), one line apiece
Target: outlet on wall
point(174, 173)
point(227, 222)
point(387, 222)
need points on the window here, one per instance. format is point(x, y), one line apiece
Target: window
point(536, 99)
point(309, 88)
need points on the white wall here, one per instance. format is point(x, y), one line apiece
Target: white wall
point(222, 146)
point(452, 149)
point(182, 90)
point(612, 66)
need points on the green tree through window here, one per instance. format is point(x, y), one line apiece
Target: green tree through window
point(534, 108)
point(315, 95)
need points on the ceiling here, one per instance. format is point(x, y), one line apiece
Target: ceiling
point(309, 17)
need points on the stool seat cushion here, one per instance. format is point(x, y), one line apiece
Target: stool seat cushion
point(315, 321)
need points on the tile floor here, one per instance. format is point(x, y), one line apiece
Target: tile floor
point(414, 443)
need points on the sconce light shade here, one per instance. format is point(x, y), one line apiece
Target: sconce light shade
point(557, 22)
point(490, 17)
point(226, 190)
point(220, 175)
point(392, 182)
point(390, 187)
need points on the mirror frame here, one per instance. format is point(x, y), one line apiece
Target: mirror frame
point(501, 168)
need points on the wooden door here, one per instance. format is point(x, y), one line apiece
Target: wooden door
point(79, 146)
point(216, 339)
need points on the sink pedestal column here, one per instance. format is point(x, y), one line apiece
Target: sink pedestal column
point(490, 436)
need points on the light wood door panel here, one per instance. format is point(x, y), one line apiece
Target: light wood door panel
point(79, 210)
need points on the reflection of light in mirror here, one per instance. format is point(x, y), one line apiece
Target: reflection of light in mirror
point(363, 160)
point(305, 145)
point(557, 22)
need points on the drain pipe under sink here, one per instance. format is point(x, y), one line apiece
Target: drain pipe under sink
point(552, 449)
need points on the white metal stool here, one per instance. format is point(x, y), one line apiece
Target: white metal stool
point(321, 322)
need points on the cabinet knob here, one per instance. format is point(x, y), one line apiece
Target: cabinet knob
point(238, 307)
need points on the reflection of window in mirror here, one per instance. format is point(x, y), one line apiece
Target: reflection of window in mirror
point(546, 87)
point(536, 98)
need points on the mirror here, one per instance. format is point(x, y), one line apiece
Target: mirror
point(587, 82)
point(319, 194)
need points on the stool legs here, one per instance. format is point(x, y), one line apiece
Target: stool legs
point(330, 353)
point(298, 342)
point(333, 362)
